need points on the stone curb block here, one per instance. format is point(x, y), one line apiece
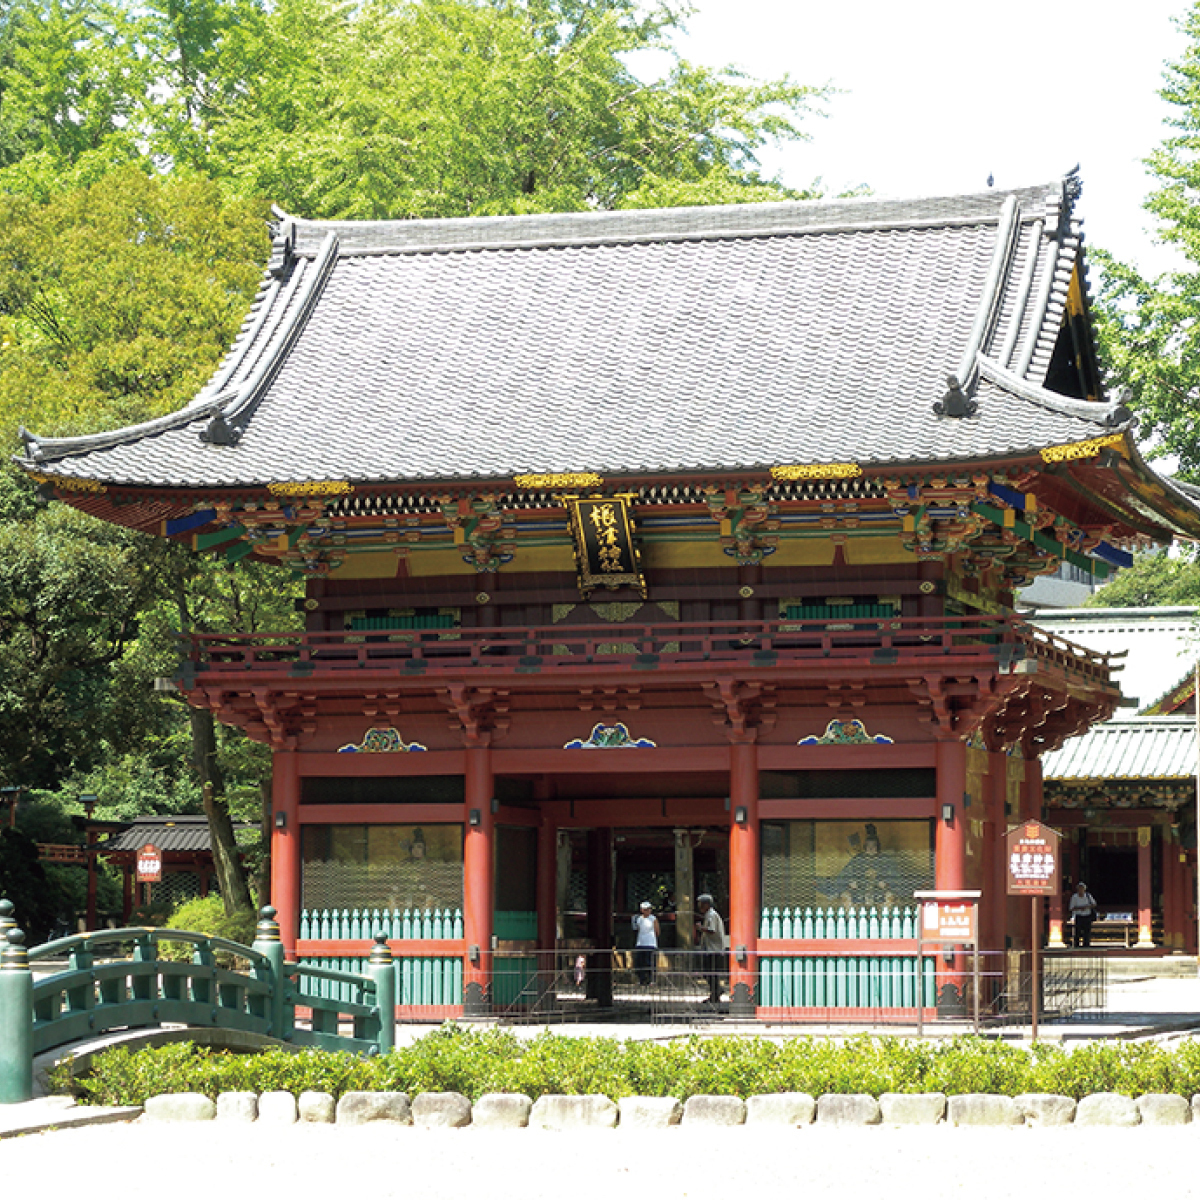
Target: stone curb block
point(441, 1110)
point(237, 1106)
point(501, 1110)
point(1107, 1108)
point(573, 1112)
point(277, 1108)
point(782, 1108)
point(316, 1108)
point(1159, 1109)
point(912, 1108)
point(180, 1106)
point(648, 1112)
point(1044, 1109)
point(714, 1110)
point(360, 1108)
point(849, 1109)
point(979, 1108)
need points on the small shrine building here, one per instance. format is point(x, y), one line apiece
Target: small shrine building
point(651, 554)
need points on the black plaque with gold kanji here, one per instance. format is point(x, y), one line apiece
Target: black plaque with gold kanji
point(604, 547)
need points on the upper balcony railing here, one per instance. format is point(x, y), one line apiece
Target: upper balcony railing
point(1008, 642)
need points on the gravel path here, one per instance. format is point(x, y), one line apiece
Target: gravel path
point(209, 1160)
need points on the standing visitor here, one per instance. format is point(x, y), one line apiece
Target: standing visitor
point(645, 950)
point(1082, 913)
point(710, 937)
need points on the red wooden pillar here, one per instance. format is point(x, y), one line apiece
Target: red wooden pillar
point(478, 866)
point(951, 842)
point(950, 851)
point(744, 887)
point(995, 900)
point(1172, 925)
point(1145, 894)
point(1188, 882)
point(285, 847)
point(126, 894)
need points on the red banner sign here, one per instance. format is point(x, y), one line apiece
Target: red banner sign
point(1033, 865)
point(149, 864)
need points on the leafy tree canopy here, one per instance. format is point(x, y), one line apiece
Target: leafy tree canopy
point(1149, 329)
point(1154, 579)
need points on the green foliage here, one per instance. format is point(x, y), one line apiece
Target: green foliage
point(118, 300)
point(24, 881)
point(474, 107)
point(1149, 329)
point(1157, 578)
point(474, 1062)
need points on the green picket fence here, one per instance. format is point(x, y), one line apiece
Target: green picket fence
point(422, 981)
point(845, 981)
point(840, 923)
point(354, 924)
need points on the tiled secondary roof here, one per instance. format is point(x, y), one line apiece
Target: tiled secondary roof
point(662, 341)
point(1131, 748)
point(170, 834)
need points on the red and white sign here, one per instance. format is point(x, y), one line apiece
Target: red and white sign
point(149, 864)
point(1031, 853)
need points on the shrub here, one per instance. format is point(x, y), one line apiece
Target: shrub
point(475, 1061)
point(207, 915)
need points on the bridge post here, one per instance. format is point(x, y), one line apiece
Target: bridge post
point(268, 944)
point(381, 967)
point(16, 1019)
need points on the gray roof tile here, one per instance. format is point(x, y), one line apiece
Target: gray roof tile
point(1132, 748)
point(657, 341)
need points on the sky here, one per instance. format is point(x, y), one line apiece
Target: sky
point(936, 95)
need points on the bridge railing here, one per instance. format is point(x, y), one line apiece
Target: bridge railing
point(135, 985)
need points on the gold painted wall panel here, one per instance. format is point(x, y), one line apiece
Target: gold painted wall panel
point(863, 551)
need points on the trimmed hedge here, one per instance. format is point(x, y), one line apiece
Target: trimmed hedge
point(473, 1062)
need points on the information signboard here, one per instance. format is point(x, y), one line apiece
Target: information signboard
point(1033, 866)
point(149, 863)
point(949, 921)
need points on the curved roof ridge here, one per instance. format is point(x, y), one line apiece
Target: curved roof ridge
point(628, 225)
point(37, 448)
point(989, 301)
point(225, 397)
point(1113, 415)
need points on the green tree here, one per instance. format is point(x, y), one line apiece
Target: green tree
point(461, 107)
point(1149, 329)
point(1157, 578)
point(117, 300)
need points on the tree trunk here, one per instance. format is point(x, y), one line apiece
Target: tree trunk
point(235, 894)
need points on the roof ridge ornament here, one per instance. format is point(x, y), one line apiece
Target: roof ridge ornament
point(956, 402)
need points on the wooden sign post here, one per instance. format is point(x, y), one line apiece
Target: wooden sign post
point(947, 918)
point(1033, 869)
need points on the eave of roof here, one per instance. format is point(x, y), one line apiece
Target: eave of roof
point(653, 343)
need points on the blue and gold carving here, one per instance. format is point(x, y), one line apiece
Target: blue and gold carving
point(381, 741)
point(610, 737)
point(846, 733)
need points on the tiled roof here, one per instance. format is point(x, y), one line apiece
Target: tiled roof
point(633, 342)
point(1130, 748)
point(170, 834)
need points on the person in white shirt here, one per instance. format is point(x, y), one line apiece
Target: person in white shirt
point(1083, 913)
point(645, 950)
